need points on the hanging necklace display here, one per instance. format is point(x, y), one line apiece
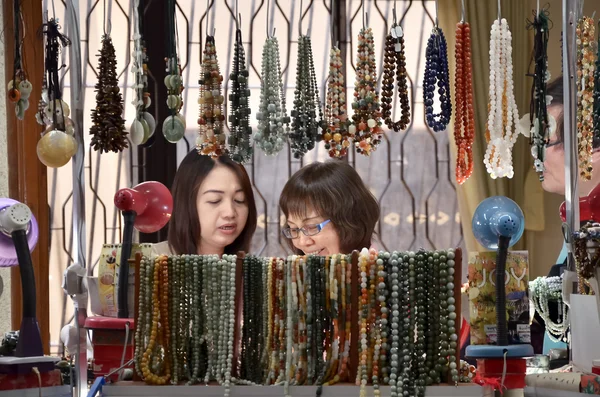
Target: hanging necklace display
point(366, 127)
point(335, 134)
point(503, 114)
point(395, 64)
point(436, 73)
point(211, 141)
point(549, 289)
point(305, 123)
point(144, 124)
point(57, 145)
point(586, 64)
point(108, 126)
point(596, 137)
point(174, 126)
point(19, 88)
point(240, 148)
point(538, 116)
point(464, 120)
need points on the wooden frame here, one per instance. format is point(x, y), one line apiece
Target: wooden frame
point(27, 176)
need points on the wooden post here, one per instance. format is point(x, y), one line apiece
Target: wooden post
point(27, 175)
point(239, 320)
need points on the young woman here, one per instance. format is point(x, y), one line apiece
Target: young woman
point(328, 210)
point(213, 208)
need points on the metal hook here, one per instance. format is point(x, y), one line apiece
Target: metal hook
point(207, 11)
point(499, 11)
point(363, 13)
point(267, 24)
point(436, 14)
point(394, 14)
point(237, 12)
point(538, 8)
point(238, 21)
point(463, 11)
point(300, 20)
point(331, 22)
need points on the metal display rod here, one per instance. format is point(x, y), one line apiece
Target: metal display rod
point(571, 10)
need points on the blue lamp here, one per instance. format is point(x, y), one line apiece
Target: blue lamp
point(498, 223)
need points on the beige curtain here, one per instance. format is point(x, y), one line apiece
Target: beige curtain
point(524, 187)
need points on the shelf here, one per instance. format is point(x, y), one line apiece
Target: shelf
point(56, 391)
point(137, 390)
point(541, 392)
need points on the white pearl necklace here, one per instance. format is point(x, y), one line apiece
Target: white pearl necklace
point(503, 112)
point(543, 290)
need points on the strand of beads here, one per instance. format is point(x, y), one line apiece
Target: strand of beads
point(549, 289)
point(174, 126)
point(395, 64)
point(335, 134)
point(305, 124)
point(379, 350)
point(421, 320)
point(540, 125)
point(144, 124)
point(436, 71)
point(141, 321)
point(19, 88)
point(273, 121)
point(240, 148)
point(366, 127)
point(363, 310)
point(434, 313)
point(503, 114)
point(396, 326)
point(464, 120)
point(585, 91)
point(596, 120)
point(211, 139)
point(230, 270)
point(452, 315)
point(108, 129)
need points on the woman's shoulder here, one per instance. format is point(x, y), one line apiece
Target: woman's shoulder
point(161, 248)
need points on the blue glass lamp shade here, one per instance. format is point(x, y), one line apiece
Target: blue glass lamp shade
point(497, 216)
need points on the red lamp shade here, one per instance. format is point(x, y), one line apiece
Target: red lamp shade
point(151, 201)
point(589, 207)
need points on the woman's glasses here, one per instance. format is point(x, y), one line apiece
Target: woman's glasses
point(307, 230)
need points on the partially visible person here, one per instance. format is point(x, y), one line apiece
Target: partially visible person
point(213, 208)
point(328, 210)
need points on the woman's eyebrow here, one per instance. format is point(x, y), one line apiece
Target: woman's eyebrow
point(214, 191)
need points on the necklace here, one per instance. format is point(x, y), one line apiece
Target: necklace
point(174, 126)
point(436, 71)
point(141, 319)
point(540, 128)
point(19, 88)
point(464, 120)
point(335, 134)
point(396, 326)
point(305, 124)
point(502, 108)
point(395, 61)
point(108, 129)
point(239, 107)
point(211, 141)
point(549, 289)
point(273, 121)
point(366, 127)
point(419, 352)
point(585, 87)
point(596, 137)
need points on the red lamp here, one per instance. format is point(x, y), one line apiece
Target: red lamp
point(148, 208)
point(589, 207)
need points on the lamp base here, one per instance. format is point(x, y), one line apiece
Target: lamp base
point(493, 351)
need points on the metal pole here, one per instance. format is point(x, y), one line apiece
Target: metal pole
point(78, 227)
point(570, 16)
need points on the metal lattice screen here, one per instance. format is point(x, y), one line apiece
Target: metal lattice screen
point(410, 173)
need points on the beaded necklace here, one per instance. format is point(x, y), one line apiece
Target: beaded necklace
point(432, 333)
point(144, 124)
point(19, 88)
point(239, 106)
point(395, 64)
point(230, 270)
point(211, 141)
point(436, 71)
point(309, 283)
point(273, 121)
point(270, 320)
point(363, 309)
point(419, 352)
point(289, 326)
point(586, 58)
point(334, 275)
point(305, 124)
point(452, 315)
point(538, 116)
point(302, 331)
point(335, 134)
point(502, 108)
point(544, 290)
point(366, 127)
point(281, 295)
point(464, 120)
point(379, 351)
point(597, 93)
point(173, 127)
point(141, 323)
point(396, 326)
point(347, 309)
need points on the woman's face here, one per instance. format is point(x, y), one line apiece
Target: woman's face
point(554, 164)
point(222, 210)
point(326, 242)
